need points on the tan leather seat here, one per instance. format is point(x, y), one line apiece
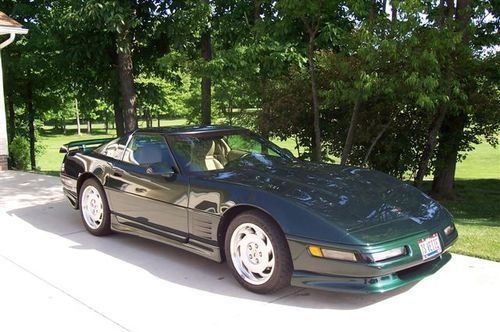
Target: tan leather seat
point(203, 158)
point(210, 161)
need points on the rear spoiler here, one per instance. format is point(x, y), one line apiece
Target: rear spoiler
point(83, 145)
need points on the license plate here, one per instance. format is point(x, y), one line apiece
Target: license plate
point(430, 246)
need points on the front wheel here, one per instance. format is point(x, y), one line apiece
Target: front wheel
point(94, 208)
point(257, 253)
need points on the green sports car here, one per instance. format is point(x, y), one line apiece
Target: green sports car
point(227, 194)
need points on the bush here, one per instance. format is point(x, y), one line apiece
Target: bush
point(19, 151)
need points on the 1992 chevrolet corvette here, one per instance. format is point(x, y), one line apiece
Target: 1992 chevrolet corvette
point(226, 193)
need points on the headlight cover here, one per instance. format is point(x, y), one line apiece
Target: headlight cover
point(387, 254)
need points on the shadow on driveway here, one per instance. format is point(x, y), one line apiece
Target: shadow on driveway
point(178, 266)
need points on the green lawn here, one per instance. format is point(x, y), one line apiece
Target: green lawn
point(476, 208)
point(477, 217)
point(50, 161)
point(482, 163)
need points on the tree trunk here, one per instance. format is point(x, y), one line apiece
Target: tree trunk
point(297, 145)
point(31, 124)
point(106, 121)
point(462, 15)
point(447, 154)
point(89, 127)
point(12, 118)
point(120, 130)
point(450, 6)
point(263, 125)
point(375, 141)
point(350, 133)
point(429, 147)
point(316, 151)
point(126, 78)
point(230, 113)
point(451, 131)
point(394, 12)
point(78, 128)
point(256, 12)
point(159, 121)
point(206, 82)
point(149, 117)
point(372, 12)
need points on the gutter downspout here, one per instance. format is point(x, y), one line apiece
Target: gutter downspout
point(8, 41)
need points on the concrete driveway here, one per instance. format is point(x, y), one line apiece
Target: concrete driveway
point(54, 276)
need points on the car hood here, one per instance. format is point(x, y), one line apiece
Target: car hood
point(367, 205)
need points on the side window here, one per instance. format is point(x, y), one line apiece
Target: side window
point(150, 152)
point(182, 149)
point(197, 154)
point(113, 149)
point(244, 144)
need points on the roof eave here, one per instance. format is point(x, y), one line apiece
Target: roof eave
point(4, 30)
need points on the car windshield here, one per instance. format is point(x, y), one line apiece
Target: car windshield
point(216, 151)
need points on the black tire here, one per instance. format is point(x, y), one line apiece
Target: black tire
point(103, 227)
point(280, 274)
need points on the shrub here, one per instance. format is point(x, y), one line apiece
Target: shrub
point(19, 150)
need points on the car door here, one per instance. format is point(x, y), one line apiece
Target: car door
point(145, 189)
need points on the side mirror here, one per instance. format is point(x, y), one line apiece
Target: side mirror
point(168, 174)
point(161, 169)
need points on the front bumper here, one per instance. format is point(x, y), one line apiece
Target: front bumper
point(364, 277)
point(369, 284)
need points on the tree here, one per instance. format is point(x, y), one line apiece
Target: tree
point(405, 89)
point(119, 18)
point(365, 52)
point(479, 95)
point(33, 85)
point(446, 24)
point(315, 16)
point(206, 82)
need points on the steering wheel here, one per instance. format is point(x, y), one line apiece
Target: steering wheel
point(243, 156)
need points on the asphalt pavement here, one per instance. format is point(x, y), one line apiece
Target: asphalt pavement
point(54, 276)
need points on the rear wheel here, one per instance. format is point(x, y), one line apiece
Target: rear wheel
point(257, 253)
point(94, 208)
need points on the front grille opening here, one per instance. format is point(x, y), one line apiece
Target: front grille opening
point(415, 271)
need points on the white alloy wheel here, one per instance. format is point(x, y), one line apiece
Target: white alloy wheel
point(92, 207)
point(252, 254)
